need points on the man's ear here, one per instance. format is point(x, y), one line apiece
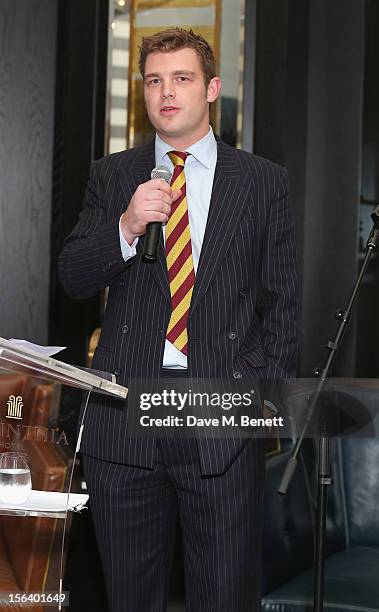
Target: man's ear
point(213, 89)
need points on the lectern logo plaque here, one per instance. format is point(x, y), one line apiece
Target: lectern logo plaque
point(15, 405)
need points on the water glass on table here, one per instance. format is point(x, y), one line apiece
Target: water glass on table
point(15, 478)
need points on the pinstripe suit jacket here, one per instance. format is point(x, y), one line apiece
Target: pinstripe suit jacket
point(243, 316)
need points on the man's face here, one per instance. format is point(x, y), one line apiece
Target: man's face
point(176, 97)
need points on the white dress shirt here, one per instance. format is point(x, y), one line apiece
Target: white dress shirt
point(199, 172)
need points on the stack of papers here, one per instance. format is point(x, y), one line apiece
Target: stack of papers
point(49, 501)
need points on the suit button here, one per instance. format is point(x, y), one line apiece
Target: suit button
point(232, 335)
point(122, 283)
point(237, 374)
point(116, 372)
point(125, 329)
point(242, 293)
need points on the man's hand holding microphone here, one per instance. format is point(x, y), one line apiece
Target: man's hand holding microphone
point(150, 204)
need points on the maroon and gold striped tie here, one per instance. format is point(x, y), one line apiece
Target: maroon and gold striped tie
point(179, 258)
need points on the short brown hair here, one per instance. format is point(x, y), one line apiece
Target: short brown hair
point(175, 39)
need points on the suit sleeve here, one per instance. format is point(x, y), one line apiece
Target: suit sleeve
point(278, 295)
point(91, 258)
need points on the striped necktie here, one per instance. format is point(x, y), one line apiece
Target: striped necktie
point(179, 258)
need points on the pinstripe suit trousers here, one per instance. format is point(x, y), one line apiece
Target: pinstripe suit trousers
point(135, 511)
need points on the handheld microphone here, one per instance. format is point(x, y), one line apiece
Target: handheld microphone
point(153, 229)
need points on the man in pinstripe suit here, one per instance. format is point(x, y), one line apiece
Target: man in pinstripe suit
point(234, 260)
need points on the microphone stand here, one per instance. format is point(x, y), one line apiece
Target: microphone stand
point(324, 470)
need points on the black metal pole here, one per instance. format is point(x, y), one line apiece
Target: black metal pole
point(324, 480)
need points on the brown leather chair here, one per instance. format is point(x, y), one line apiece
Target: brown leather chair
point(30, 546)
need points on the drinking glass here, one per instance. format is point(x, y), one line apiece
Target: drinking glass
point(15, 478)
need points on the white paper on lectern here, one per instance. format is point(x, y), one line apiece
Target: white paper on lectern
point(17, 358)
point(49, 501)
point(38, 348)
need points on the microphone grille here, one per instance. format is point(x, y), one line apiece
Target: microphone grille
point(162, 172)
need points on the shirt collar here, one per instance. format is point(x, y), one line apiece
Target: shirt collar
point(202, 150)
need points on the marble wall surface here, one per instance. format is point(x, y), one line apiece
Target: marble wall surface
point(28, 32)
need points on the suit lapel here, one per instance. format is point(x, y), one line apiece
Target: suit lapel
point(140, 172)
point(228, 201)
